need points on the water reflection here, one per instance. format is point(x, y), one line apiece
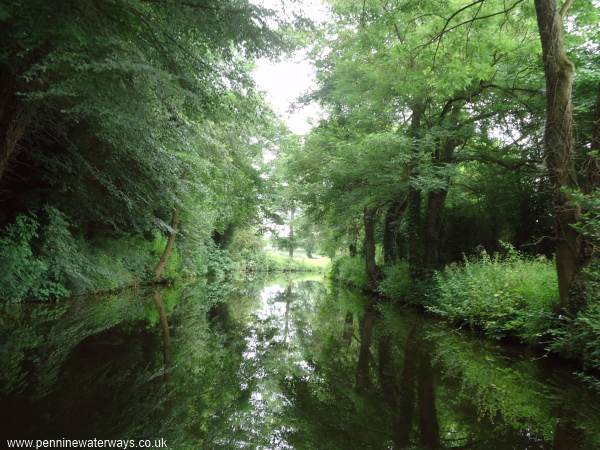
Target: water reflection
point(166, 333)
point(277, 364)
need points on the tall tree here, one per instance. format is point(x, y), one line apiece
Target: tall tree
point(559, 72)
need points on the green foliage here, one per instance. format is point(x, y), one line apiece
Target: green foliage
point(219, 264)
point(246, 241)
point(396, 283)
point(494, 387)
point(44, 261)
point(589, 223)
point(130, 110)
point(28, 273)
point(502, 295)
point(350, 271)
point(126, 261)
point(579, 337)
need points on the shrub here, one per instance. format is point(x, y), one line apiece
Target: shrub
point(246, 241)
point(510, 295)
point(25, 273)
point(396, 281)
point(350, 270)
point(41, 259)
point(579, 337)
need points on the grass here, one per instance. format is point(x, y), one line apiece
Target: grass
point(278, 261)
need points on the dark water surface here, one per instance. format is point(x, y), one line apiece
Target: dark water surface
point(277, 364)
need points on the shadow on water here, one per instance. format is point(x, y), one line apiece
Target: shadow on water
point(277, 364)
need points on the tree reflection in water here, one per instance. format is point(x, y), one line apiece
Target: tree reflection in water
point(288, 363)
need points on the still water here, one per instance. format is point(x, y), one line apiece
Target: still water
point(277, 364)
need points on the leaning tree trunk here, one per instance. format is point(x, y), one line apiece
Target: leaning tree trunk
point(164, 259)
point(558, 143)
point(369, 248)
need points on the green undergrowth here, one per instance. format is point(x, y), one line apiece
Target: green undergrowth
point(578, 337)
point(396, 283)
point(42, 260)
point(503, 296)
point(350, 271)
point(510, 295)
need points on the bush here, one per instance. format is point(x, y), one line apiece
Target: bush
point(25, 272)
point(579, 337)
point(510, 295)
point(350, 270)
point(396, 281)
point(41, 260)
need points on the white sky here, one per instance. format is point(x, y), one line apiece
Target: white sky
point(285, 80)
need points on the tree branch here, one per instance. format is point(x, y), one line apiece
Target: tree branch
point(564, 9)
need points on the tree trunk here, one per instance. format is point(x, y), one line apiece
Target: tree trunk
point(436, 200)
point(414, 194)
point(164, 259)
point(414, 231)
point(558, 142)
point(390, 232)
point(433, 219)
point(291, 236)
point(369, 248)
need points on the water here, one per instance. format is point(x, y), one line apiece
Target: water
point(277, 364)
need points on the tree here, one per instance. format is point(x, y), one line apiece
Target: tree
point(571, 250)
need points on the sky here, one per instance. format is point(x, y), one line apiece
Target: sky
point(288, 78)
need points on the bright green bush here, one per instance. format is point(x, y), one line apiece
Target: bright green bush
point(396, 281)
point(510, 295)
point(350, 270)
